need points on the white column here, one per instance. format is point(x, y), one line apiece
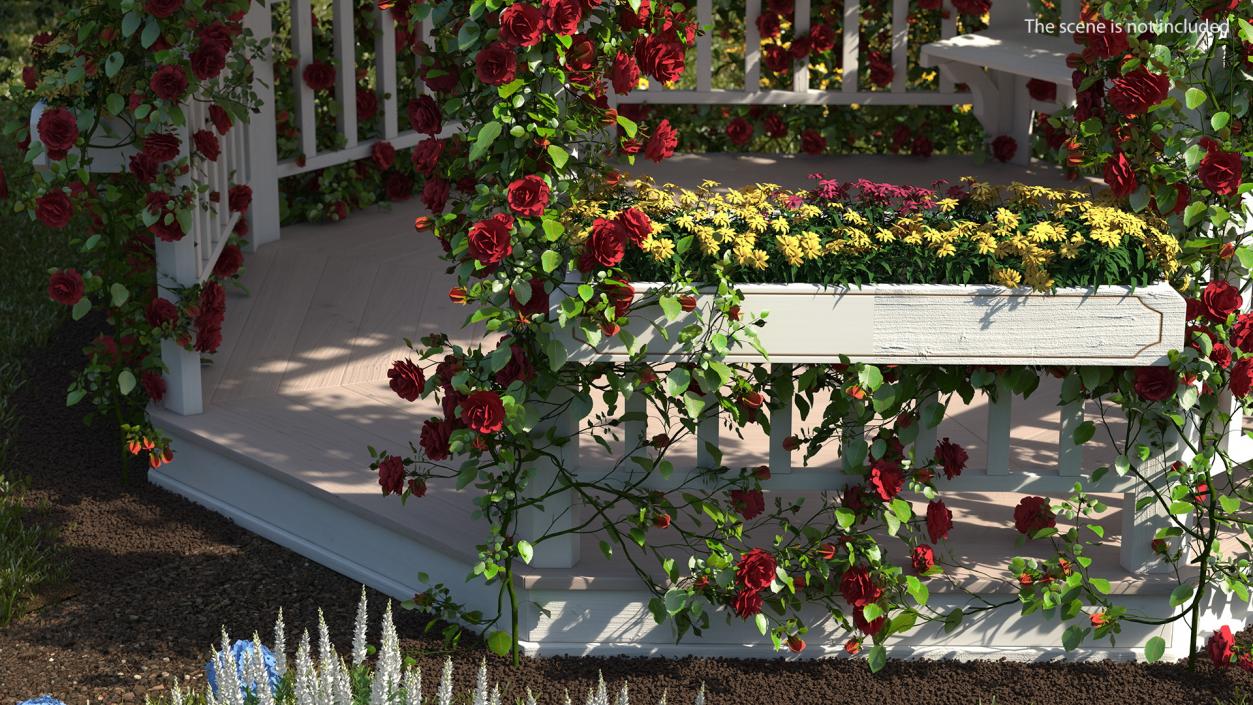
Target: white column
point(1139, 526)
point(558, 511)
point(262, 141)
point(177, 267)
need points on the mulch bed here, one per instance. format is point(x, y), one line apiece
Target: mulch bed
point(152, 579)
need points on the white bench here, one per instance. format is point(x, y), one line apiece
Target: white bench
point(997, 63)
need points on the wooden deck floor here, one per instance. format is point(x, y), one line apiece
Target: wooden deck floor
point(300, 388)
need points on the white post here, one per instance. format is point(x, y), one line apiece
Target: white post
point(1000, 416)
point(558, 511)
point(1138, 526)
point(177, 266)
point(262, 137)
point(781, 419)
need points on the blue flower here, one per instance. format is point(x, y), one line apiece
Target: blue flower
point(238, 650)
point(42, 700)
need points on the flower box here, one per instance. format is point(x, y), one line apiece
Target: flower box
point(923, 324)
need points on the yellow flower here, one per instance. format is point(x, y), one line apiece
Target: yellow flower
point(660, 249)
point(946, 205)
point(721, 219)
point(790, 246)
point(1006, 277)
point(811, 245)
point(852, 217)
point(947, 249)
point(884, 235)
point(780, 225)
point(1006, 219)
point(685, 222)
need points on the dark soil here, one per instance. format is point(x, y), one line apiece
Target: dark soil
point(153, 578)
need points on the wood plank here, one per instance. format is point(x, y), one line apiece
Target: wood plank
point(302, 50)
point(257, 267)
point(333, 318)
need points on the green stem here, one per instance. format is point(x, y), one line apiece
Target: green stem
point(513, 612)
point(126, 458)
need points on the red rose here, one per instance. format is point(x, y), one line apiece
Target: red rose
point(534, 306)
point(66, 287)
point(1221, 171)
point(160, 311)
point(620, 294)
point(528, 196)
point(660, 57)
point(496, 64)
point(1033, 514)
point(220, 118)
point(635, 224)
point(887, 478)
point(162, 8)
point(490, 240)
point(1043, 91)
point(519, 367)
point(858, 588)
point(435, 195)
point(973, 8)
point(367, 106)
point(739, 131)
point(812, 142)
point(398, 187)
point(1242, 378)
point(663, 142)
point(749, 503)
point(881, 70)
point(822, 37)
point(607, 243)
point(1219, 300)
point(939, 521)
point(208, 60)
point(1220, 355)
point(435, 438)
point(1242, 332)
point(483, 411)
point(383, 154)
point(392, 475)
point(1183, 194)
point(1107, 40)
point(688, 303)
point(144, 167)
point(1119, 175)
point(1134, 93)
point(169, 83)
point(923, 558)
point(563, 16)
point(424, 115)
point(54, 209)
point(581, 56)
point(774, 126)
point(1155, 383)
point(769, 25)
point(30, 78)
point(319, 76)
point(207, 144)
point(521, 25)
point(153, 385)
point(406, 379)
point(239, 198)
point(162, 146)
point(1220, 647)
point(58, 131)
point(869, 628)
point(426, 155)
point(952, 456)
point(746, 603)
point(756, 569)
point(1004, 148)
point(776, 59)
point(229, 262)
point(625, 73)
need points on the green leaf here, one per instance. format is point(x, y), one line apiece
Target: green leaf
point(526, 551)
point(953, 620)
point(628, 126)
point(671, 307)
point(81, 308)
point(675, 599)
point(152, 30)
point(557, 354)
point(119, 294)
point(1193, 212)
point(550, 260)
point(125, 381)
point(115, 104)
point(558, 155)
point(877, 658)
point(677, 381)
point(1194, 98)
point(75, 396)
point(1154, 649)
point(467, 35)
point(1230, 504)
point(872, 612)
point(1084, 432)
point(1101, 585)
point(131, 22)
point(845, 517)
point(1073, 636)
point(553, 229)
point(113, 64)
point(501, 643)
point(869, 378)
point(1220, 120)
point(510, 88)
point(762, 625)
point(483, 141)
point(1180, 595)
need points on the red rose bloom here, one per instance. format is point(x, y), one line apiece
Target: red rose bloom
point(162, 146)
point(1155, 383)
point(923, 558)
point(220, 118)
point(822, 37)
point(519, 367)
point(858, 588)
point(58, 131)
point(66, 287)
point(435, 439)
point(739, 131)
point(663, 142)
point(239, 198)
point(625, 73)
point(607, 244)
point(491, 240)
point(1107, 41)
point(769, 25)
point(563, 16)
point(1221, 171)
point(153, 385)
point(776, 59)
point(207, 144)
point(1004, 148)
point(756, 570)
point(1033, 514)
point(581, 56)
point(229, 262)
point(160, 311)
point(620, 294)
point(1219, 300)
point(881, 70)
point(398, 187)
point(1220, 647)
point(426, 155)
point(496, 64)
point(635, 224)
point(383, 154)
point(367, 106)
point(483, 411)
point(528, 196)
point(1221, 355)
point(435, 195)
point(887, 478)
point(208, 60)
point(1119, 175)
point(1242, 332)
point(162, 8)
point(54, 209)
point(406, 379)
point(1043, 91)
point(812, 142)
point(424, 115)
point(952, 456)
point(774, 126)
point(143, 167)
point(869, 628)
point(749, 503)
point(319, 76)
point(939, 521)
point(521, 25)
point(169, 83)
point(660, 57)
point(1242, 378)
point(392, 475)
point(746, 603)
point(1136, 92)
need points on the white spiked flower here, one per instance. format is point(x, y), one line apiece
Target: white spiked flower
point(359, 631)
point(663, 697)
point(480, 685)
point(280, 644)
point(602, 693)
point(258, 676)
point(305, 684)
point(700, 695)
point(624, 698)
point(444, 695)
point(176, 695)
point(530, 697)
point(343, 685)
point(388, 669)
point(413, 687)
point(495, 699)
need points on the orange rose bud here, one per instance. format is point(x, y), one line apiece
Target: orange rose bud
point(1097, 619)
point(762, 472)
point(701, 582)
point(662, 521)
point(541, 142)
point(611, 117)
point(852, 647)
point(422, 223)
point(688, 303)
point(1228, 249)
point(457, 295)
point(1025, 579)
point(796, 644)
point(856, 392)
point(827, 551)
point(734, 313)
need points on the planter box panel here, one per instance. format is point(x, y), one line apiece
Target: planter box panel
point(934, 324)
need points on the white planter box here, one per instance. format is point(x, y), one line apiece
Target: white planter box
point(930, 324)
point(104, 159)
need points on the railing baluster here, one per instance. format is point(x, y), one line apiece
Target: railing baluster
point(852, 46)
point(948, 28)
point(1000, 411)
point(635, 429)
point(924, 444)
point(900, 44)
point(852, 435)
point(781, 419)
point(385, 71)
point(1070, 454)
point(704, 47)
point(260, 142)
point(1138, 526)
point(302, 49)
point(800, 28)
point(345, 47)
point(752, 46)
point(707, 434)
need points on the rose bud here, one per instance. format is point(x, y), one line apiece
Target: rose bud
point(422, 223)
point(734, 313)
point(796, 644)
point(661, 441)
point(762, 472)
point(457, 295)
point(688, 302)
point(827, 551)
point(852, 647)
point(791, 443)
point(662, 521)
